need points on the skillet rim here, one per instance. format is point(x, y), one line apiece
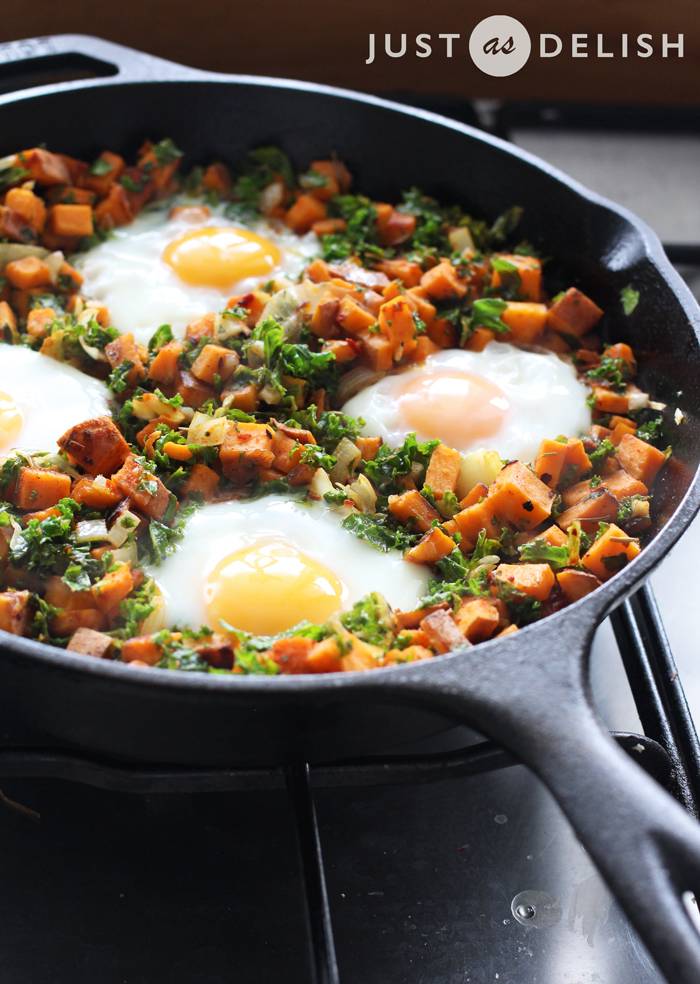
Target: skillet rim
point(594, 607)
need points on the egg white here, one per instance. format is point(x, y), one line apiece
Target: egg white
point(544, 393)
point(142, 292)
point(220, 529)
point(52, 396)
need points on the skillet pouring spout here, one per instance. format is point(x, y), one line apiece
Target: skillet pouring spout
point(530, 693)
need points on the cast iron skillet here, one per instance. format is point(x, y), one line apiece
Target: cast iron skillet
point(528, 691)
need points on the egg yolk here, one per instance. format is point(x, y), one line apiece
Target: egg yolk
point(11, 421)
point(459, 408)
point(269, 587)
point(220, 257)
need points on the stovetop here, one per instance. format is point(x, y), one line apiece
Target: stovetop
point(471, 878)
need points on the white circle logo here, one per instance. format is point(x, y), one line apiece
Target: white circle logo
point(499, 45)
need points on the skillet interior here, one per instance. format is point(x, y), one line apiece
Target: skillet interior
point(194, 719)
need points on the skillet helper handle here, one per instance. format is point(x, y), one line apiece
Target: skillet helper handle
point(63, 53)
point(530, 693)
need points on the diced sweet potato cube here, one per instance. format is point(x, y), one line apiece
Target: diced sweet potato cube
point(214, 360)
point(576, 461)
point(431, 548)
point(201, 479)
point(442, 632)
point(28, 272)
point(304, 212)
point(204, 327)
point(555, 536)
point(368, 447)
point(599, 506)
point(477, 618)
point(481, 516)
point(164, 365)
point(96, 495)
point(443, 470)
point(535, 580)
point(97, 445)
point(67, 623)
point(87, 642)
point(393, 226)
point(124, 349)
point(479, 339)
point(326, 227)
point(418, 299)
point(323, 320)
point(71, 220)
point(574, 314)
point(480, 491)
point(353, 317)
point(442, 283)
point(623, 485)
point(40, 488)
point(61, 595)
point(411, 509)
point(180, 452)
point(145, 489)
point(344, 349)
point(319, 272)
point(287, 452)
point(113, 587)
point(291, 654)
point(246, 449)
point(520, 497)
point(327, 656)
point(607, 401)
point(115, 209)
point(640, 459)
point(407, 655)
point(526, 320)
point(610, 553)
point(396, 322)
point(8, 323)
point(29, 206)
point(576, 584)
point(38, 321)
point(550, 461)
point(141, 649)
point(408, 273)
point(194, 392)
point(43, 167)
point(443, 333)
point(530, 271)
point(301, 474)
point(411, 620)
point(16, 612)
point(113, 167)
point(619, 432)
point(622, 351)
point(620, 484)
point(72, 195)
point(377, 352)
point(424, 347)
point(246, 398)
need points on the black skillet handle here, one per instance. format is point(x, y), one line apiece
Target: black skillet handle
point(25, 62)
point(530, 693)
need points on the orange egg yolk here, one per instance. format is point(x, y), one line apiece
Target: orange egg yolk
point(457, 407)
point(269, 587)
point(221, 257)
point(11, 421)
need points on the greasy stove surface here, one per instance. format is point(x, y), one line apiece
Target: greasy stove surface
point(177, 889)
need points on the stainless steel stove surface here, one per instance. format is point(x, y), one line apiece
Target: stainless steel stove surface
point(476, 878)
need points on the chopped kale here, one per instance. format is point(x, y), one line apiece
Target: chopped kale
point(629, 298)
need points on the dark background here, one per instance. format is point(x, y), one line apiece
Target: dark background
point(327, 41)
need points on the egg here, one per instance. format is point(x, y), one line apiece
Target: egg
point(163, 269)
point(265, 565)
point(41, 398)
point(504, 398)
